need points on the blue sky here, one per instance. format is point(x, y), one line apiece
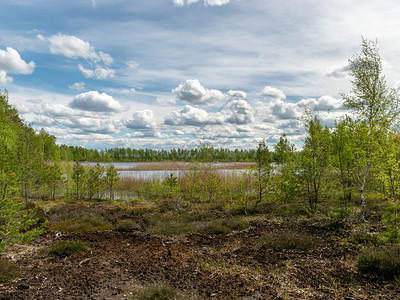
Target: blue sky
point(174, 73)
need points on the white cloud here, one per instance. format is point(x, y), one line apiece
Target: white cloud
point(165, 101)
point(237, 94)
point(192, 116)
point(242, 112)
point(73, 47)
point(193, 92)
point(283, 110)
point(178, 132)
point(11, 62)
point(323, 103)
point(79, 86)
point(57, 110)
point(4, 79)
point(96, 102)
point(142, 120)
point(273, 93)
point(216, 2)
point(206, 2)
point(132, 64)
point(338, 71)
point(99, 72)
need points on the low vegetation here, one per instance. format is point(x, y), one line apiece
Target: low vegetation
point(67, 248)
point(8, 270)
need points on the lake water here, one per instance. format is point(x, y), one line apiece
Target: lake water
point(156, 174)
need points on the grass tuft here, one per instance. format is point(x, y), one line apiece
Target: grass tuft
point(8, 270)
point(67, 248)
point(287, 239)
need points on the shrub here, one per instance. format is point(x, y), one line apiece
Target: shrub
point(235, 223)
point(156, 291)
point(364, 238)
point(67, 248)
point(128, 225)
point(287, 240)
point(383, 261)
point(215, 228)
point(8, 270)
point(81, 225)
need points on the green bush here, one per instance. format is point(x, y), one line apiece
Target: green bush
point(85, 224)
point(364, 238)
point(8, 270)
point(383, 261)
point(287, 240)
point(67, 248)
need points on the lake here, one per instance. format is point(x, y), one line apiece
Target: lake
point(162, 170)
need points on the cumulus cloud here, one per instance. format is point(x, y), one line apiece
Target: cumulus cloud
point(242, 112)
point(57, 110)
point(90, 125)
point(165, 101)
point(237, 94)
point(96, 102)
point(270, 92)
point(11, 62)
point(193, 92)
point(193, 116)
point(73, 47)
point(4, 79)
point(337, 71)
point(284, 110)
point(79, 86)
point(98, 73)
point(142, 120)
point(323, 103)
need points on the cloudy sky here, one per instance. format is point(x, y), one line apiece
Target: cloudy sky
point(173, 73)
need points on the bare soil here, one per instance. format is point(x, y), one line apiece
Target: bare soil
point(199, 266)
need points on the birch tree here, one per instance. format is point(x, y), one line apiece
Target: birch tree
point(373, 104)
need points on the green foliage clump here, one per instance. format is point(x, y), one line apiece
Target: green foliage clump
point(224, 226)
point(67, 248)
point(127, 225)
point(287, 239)
point(156, 291)
point(383, 261)
point(392, 221)
point(365, 238)
point(17, 224)
point(8, 270)
point(86, 224)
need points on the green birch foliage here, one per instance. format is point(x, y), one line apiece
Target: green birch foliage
point(374, 105)
point(286, 179)
point(314, 161)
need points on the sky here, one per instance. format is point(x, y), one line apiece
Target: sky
point(177, 73)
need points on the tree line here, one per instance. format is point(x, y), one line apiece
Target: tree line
point(121, 154)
